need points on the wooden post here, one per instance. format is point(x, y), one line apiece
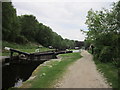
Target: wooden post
point(11, 55)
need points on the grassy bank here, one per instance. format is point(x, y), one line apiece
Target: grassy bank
point(29, 47)
point(109, 71)
point(46, 75)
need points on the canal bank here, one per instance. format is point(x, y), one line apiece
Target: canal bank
point(48, 73)
point(16, 69)
point(14, 74)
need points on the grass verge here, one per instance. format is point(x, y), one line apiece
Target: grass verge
point(109, 71)
point(46, 75)
point(29, 47)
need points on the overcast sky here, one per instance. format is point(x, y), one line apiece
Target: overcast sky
point(66, 17)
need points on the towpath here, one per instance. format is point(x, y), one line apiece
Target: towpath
point(83, 74)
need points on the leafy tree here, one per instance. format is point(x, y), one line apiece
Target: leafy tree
point(104, 33)
point(10, 23)
point(29, 26)
point(25, 28)
point(44, 35)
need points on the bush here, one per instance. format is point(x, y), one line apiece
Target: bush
point(106, 54)
point(21, 40)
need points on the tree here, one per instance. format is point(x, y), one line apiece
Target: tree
point(104, 32)
point(44, 35)
point(25, 28)
point(10, 23)
point(29, 26)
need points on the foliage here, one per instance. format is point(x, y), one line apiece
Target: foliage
point(104, 33)
point(10, 23)
point(105, 54)
point(21, 39)
point(29, 47)
point(28, 24)
point(26, 28)
point(109, 71)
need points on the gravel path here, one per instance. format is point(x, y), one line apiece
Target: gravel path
point(83, 74)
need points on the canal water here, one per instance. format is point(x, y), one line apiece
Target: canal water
point(14, 74)
point(74, 51)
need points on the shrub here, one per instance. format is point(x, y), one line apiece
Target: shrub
point(21, 40)
point(106, 54)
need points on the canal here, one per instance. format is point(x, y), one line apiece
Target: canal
point(14, 74)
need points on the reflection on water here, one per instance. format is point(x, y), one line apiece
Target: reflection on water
point(18, 83)
point(79, 50)
point(14, 74)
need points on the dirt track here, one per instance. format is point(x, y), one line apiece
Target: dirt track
point(83, 74)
